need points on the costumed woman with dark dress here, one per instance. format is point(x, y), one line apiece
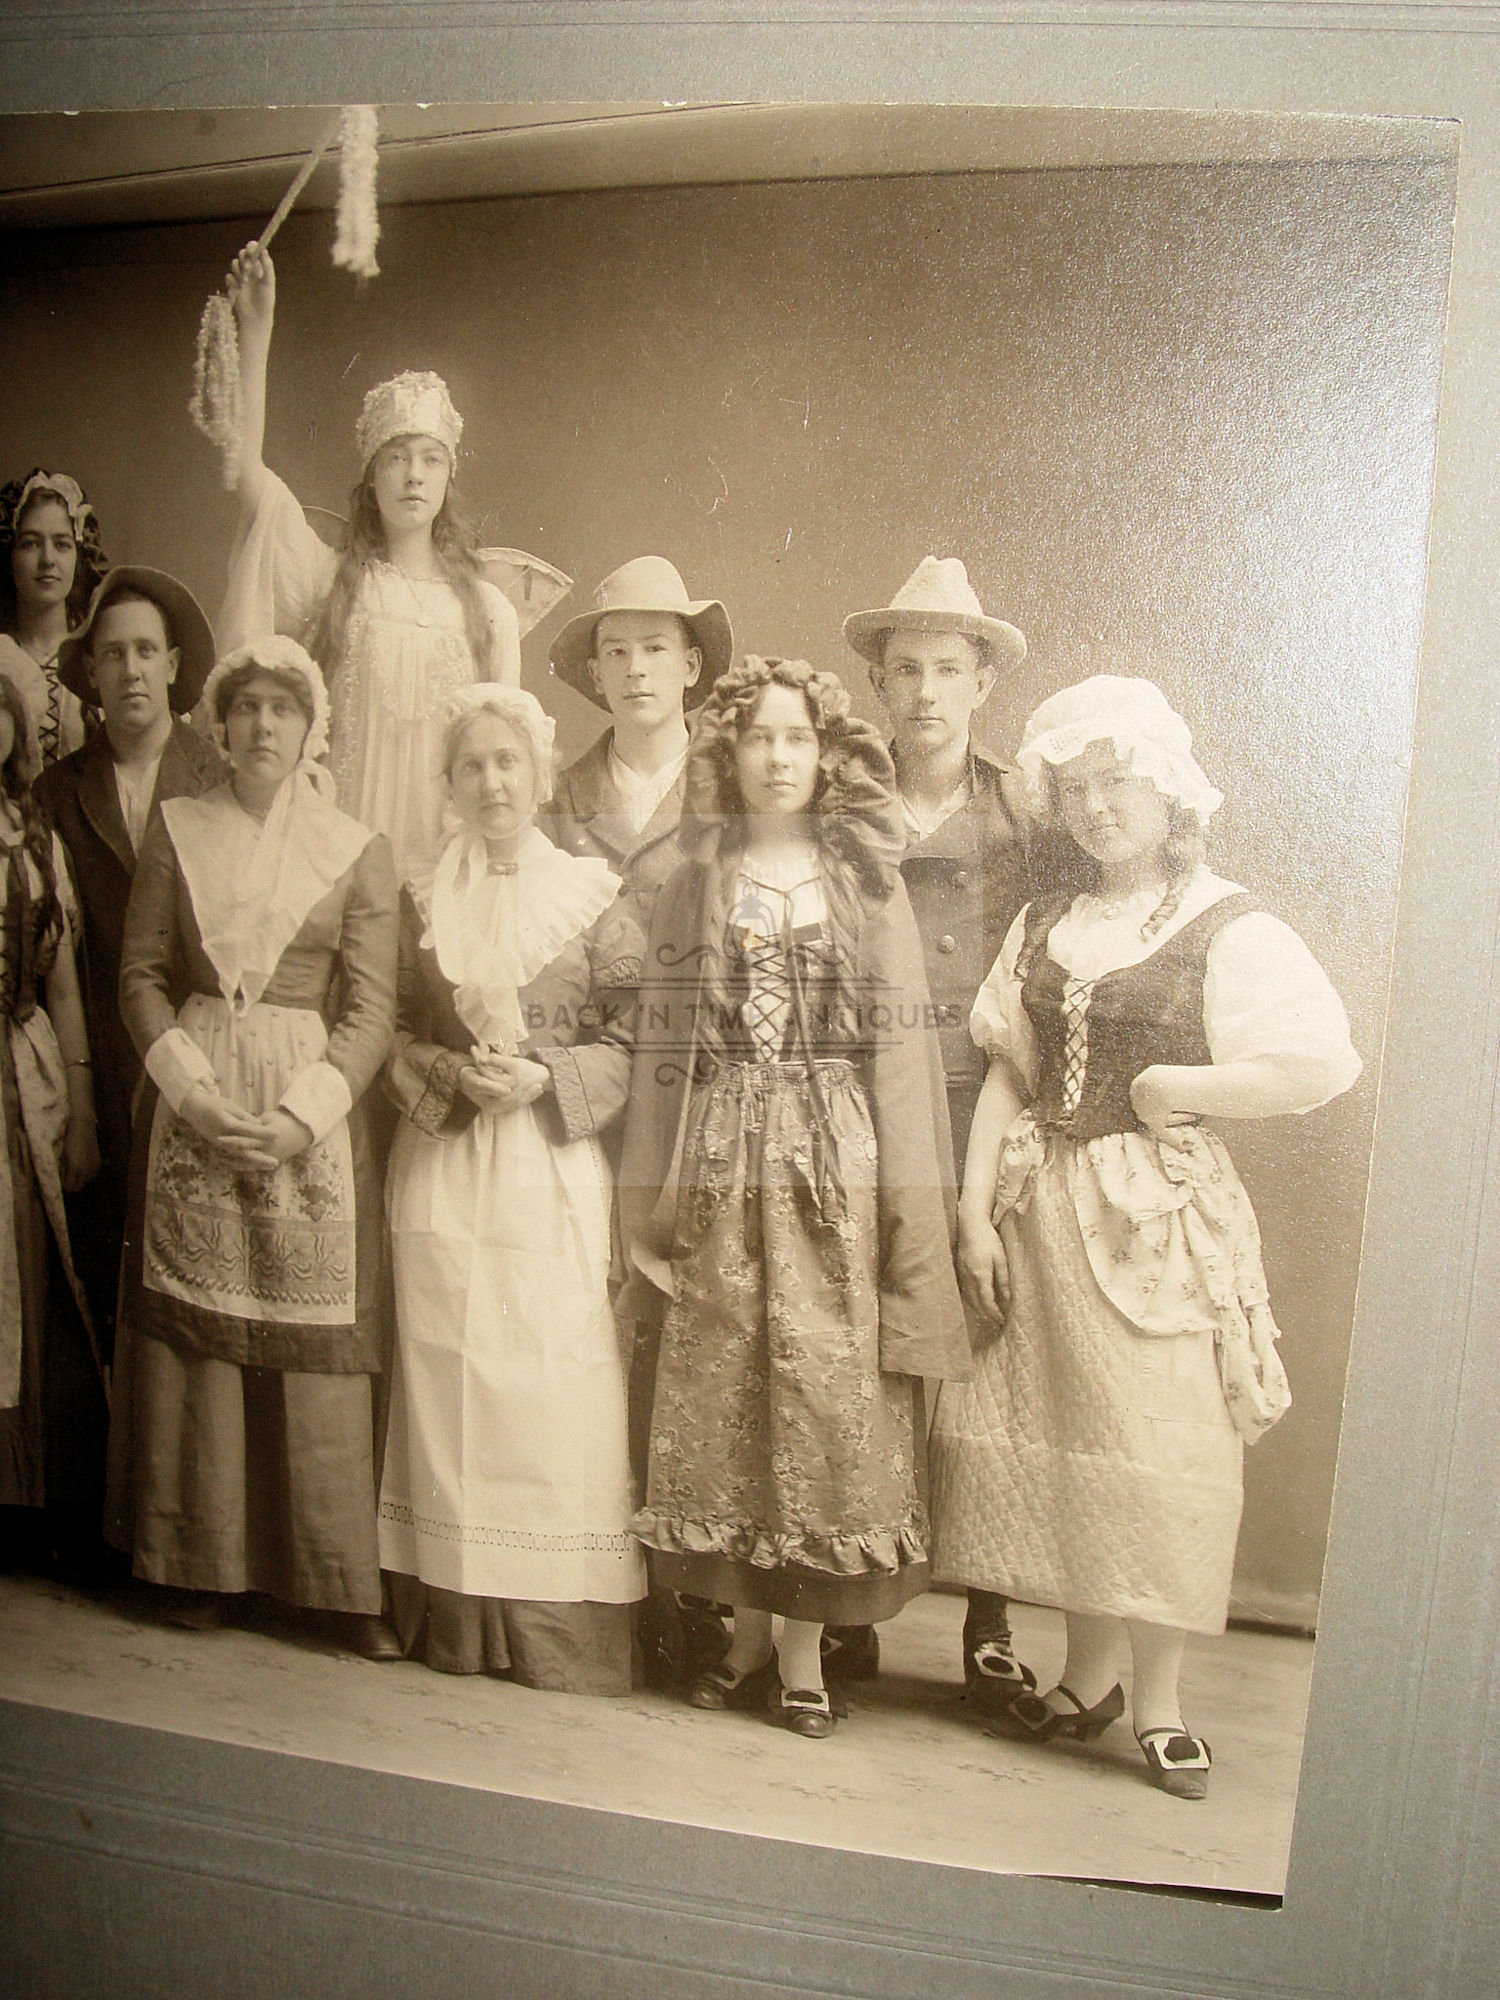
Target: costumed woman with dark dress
point(52, 1395)
point(506, 1498)
point(51, 561)
point(782, 1187)
point(258, 980)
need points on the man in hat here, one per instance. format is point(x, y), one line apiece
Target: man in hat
point(144, 649)
point(647, 652)
point(933, 654)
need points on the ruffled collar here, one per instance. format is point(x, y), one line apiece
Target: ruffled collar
point(253, 883)
point(494, 931)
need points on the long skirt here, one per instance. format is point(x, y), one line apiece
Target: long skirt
point(52, 1435)
point(253, 1479)
point(226, 1473)
point(506, 1486)
point(784, 1465)
point(1087, 1464)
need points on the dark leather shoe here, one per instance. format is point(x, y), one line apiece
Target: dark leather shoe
point(850, 1653)
point(366, 1634)
point(192, 1610)
point(805, 1711)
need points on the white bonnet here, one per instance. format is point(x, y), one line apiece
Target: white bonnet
point(519, 710)
point(275, 654)
point(1135, 716)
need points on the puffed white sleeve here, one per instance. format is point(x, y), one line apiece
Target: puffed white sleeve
point(999, 1023)
point(1266, 998)
point(505, 625)
point(279, 572)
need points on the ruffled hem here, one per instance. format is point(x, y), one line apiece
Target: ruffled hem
point(880, 1551)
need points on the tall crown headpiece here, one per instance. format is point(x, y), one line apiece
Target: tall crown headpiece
point(413, 404)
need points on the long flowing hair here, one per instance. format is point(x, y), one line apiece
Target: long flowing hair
point(854, 821)
point(36, 835)
point(456, 547)
point(92, 561)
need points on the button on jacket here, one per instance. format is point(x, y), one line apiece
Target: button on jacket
point(966, 881)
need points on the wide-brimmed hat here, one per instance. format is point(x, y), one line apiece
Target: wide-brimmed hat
point(188, 630)
point(936, 597)
point(649, 583)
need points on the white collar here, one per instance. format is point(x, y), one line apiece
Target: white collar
point(252, 884)
point(640, 796)
point(493, 933)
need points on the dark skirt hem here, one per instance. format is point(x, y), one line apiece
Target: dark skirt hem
point(556, 1648)
point(790, 1592)
point(324, 1593)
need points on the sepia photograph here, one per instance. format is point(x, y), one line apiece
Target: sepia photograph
point(704, 810)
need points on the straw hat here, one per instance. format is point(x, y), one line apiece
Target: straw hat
point(936, 597)
point(649, 583)
point(188, 630)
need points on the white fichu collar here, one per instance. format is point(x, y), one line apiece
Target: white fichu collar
point(494, 932)
point(253, 883)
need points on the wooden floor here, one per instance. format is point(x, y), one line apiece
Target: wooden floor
point(907, 1774)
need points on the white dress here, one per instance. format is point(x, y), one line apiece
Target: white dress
point(1093, 1462)
point(407, 653)
point(506, 1467)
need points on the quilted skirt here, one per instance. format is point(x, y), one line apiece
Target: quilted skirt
point(1086, 1465)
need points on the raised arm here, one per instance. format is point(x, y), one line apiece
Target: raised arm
point(279, 569)
point(252, 288)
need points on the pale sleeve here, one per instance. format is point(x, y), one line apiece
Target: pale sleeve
point(999, 1023)
point(279, 572)
point(507, 630)
point(1266, 998)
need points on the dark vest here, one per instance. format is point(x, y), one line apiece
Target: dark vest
point(1141, 1015)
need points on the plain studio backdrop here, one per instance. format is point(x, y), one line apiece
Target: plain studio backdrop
point(1178, 421)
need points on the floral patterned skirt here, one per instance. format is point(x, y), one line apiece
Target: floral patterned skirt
point(784, 1466)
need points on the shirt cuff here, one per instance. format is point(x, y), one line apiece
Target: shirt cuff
point(567, 1087)
point(320, 1097)
point(175, 1064)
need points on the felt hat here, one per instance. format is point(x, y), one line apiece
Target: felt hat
point(188, 630)
point(649, 583)
point(936, 597)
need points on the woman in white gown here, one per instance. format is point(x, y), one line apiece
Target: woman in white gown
point(1095, 1460)
point(401, 618)
point(506, 1498)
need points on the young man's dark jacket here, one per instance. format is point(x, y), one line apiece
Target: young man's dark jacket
point(967, 881)
point(82, 800)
